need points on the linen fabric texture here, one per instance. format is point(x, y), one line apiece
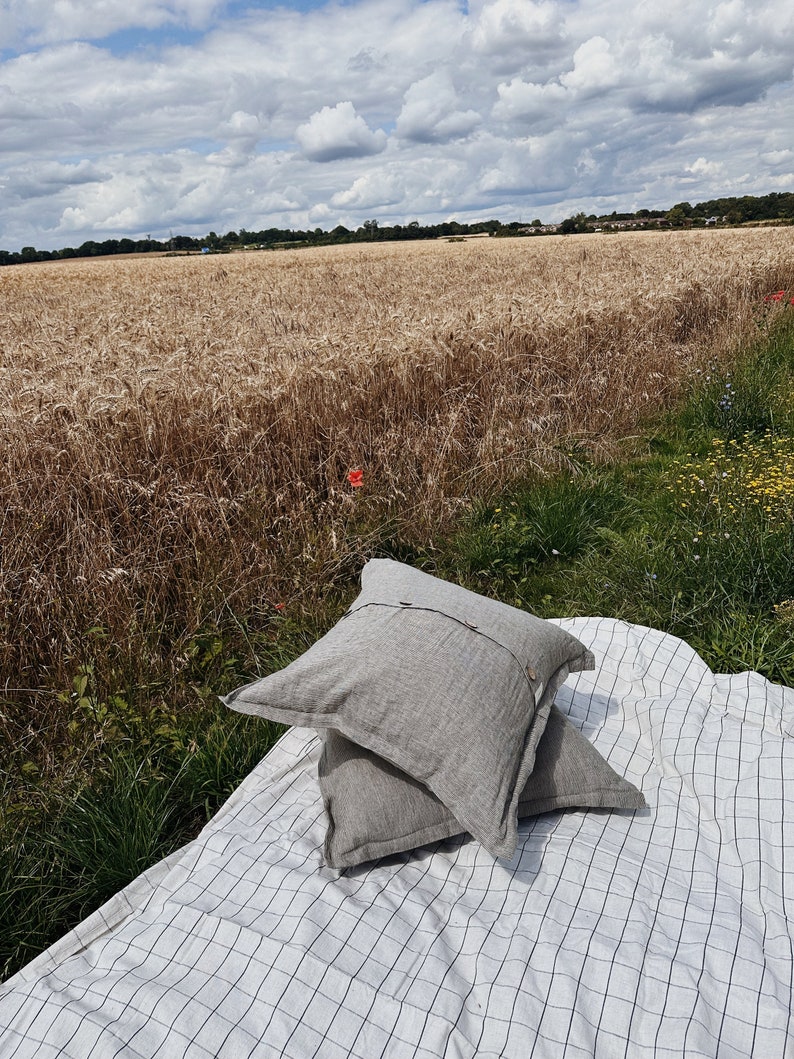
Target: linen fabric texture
point(375, 810)
point(452, 688)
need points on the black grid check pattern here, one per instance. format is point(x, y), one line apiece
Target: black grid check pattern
point(661, 933)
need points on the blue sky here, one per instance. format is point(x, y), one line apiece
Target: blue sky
point(129, 117)
point(124, 41)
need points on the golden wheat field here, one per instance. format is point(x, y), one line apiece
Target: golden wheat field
point(177, 432)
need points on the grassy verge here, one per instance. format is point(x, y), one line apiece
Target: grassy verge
point(694, 534)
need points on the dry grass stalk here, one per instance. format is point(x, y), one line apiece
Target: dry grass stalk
point(177, 431)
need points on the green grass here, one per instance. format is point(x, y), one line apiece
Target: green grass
point(694, 534)
point(65, 852)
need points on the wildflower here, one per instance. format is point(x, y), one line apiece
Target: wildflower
point(279, 606)
point(778, 296)
point(356, 478)
point(554, 551)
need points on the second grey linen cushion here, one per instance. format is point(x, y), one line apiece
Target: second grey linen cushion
point(374, 810)
point(451, 687)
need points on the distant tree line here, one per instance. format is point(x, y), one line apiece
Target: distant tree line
point(779, 206)
point(776, 207)
point(267, 239)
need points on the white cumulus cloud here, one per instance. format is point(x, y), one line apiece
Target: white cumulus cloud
point(528, 102)
point(338, 132)
point(52, 21)
point(518, 34)
point(370, 191)
point(432, 113)
point(595, 68)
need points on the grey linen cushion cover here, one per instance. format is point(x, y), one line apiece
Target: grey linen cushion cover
point(451, 687)
point(374, 810)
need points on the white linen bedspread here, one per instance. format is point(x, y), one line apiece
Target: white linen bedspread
point(666, 932)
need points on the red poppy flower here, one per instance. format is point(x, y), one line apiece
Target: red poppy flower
point(279, 606)
point(778, 296)
point(356, 478)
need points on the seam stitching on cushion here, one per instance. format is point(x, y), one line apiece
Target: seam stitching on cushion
point(451, 617)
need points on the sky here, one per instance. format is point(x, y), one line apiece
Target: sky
point(158, 117)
